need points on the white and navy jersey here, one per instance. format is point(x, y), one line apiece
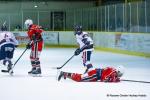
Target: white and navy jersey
point(7, 37)
point(82, 38)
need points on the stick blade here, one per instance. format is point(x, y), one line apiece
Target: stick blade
point(56, 67)
point(59, 67)
point(5, 71)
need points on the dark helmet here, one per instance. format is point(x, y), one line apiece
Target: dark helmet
point(3, 28)
point(78, 29)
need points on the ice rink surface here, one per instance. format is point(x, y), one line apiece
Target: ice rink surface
point(21, 86)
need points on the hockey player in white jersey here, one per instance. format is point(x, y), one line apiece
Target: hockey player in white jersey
point(8, 43)
point(85, 46)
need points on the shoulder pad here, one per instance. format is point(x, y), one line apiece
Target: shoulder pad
point(85, 33)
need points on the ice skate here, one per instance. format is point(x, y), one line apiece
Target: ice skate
point(62, 74)
point(37, 72)
point(9, 68)
point(30, 72)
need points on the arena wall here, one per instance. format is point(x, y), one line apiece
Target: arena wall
point(128, 43)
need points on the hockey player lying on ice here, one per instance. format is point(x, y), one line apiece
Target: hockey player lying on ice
point(108, 74)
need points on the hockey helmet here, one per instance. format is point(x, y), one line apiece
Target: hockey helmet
point(78, 29)
point(120, 70)
point(28, 22)
point(3, 28)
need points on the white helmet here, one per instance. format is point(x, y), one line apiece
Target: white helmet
point(28, 22)
point(120, 70)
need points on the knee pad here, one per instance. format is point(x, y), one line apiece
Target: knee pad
point(33, 62)
point(7, 62)
point(37, 62)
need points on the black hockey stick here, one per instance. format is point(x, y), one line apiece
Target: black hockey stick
point(10, 71)
point(136, 81)
point(64, 63)
point(68, 60)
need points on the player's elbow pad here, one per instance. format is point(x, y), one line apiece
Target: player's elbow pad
point(87, 43)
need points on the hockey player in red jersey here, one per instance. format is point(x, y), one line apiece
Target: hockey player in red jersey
point(36, 44)
point(108, 74)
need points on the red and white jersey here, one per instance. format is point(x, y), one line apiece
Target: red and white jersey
point(34, 29)
point(107, 74)
point(82, 36)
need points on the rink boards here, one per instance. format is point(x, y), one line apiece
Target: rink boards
point(128, 43)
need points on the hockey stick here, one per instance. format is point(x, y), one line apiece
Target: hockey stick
point(64, 63)
point(136, 81)
point(11, 71)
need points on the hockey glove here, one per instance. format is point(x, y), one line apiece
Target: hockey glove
point(16, 46)
point(28, 46)
point(77, 52)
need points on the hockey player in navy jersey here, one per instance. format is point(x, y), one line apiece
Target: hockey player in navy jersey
point(8, 43)
point(85, 46)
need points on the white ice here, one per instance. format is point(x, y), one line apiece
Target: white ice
point(21, 86)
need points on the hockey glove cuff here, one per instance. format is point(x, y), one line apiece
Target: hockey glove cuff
point(28, 46)
point(77, 52)
point(16, 46)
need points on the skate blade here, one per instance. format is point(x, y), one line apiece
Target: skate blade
point(11, 72)
point(35, 75)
